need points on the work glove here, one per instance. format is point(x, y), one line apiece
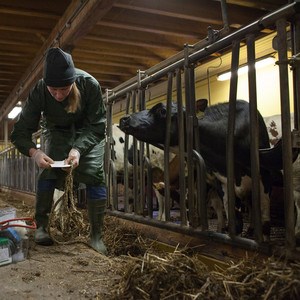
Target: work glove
point(41, 159)
point(73, 158)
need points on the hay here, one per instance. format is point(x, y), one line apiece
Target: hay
point(66, 223)
point(147, 273)
point(122, 240)
point(178, 276)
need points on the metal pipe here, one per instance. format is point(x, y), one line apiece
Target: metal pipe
point(189, 116)
point(142, 185)
point(126, 175)
point(230, 137)
point(167, 148)
point(224, 14)
point(286, 134)
point(112, 181)
point(181, 145)
point(295, 66)
point(201, 188)
point(195, 232)
point(149, 194)
point(254, 143)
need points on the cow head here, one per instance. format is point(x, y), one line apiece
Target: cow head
point(150, 125)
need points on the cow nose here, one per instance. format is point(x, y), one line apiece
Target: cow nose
point(124, 121)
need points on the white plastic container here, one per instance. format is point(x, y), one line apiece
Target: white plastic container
point(5, 254)
point(22, 252)
point(7, 213)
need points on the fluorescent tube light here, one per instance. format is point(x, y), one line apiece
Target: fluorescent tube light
point(14, 112)
point(243, 70)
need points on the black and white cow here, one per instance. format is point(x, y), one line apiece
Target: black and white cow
point(274, 128)
point(156, 157)
point(150, 126)
point(157, 163)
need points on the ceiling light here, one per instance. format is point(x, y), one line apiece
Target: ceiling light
point(244, 69)
point(14, 112)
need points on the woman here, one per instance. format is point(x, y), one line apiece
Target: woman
point(67, 103)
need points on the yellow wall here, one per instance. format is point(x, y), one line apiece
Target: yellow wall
point(268, 91)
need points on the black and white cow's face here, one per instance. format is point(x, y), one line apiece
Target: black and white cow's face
point(150, 125)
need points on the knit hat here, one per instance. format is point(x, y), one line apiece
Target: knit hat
point(59, 70)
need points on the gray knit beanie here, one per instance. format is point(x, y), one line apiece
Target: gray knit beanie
point(59, 70)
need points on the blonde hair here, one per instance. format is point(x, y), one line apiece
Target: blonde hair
point(74, 99)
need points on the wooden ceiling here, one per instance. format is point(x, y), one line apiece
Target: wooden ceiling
point(109, 39)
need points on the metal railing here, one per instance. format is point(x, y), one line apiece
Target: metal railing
point(185, 62)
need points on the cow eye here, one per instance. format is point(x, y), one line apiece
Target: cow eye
point(163, 112)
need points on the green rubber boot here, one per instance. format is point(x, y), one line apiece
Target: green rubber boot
point(96, 209)
point(42, 210)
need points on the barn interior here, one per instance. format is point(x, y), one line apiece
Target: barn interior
point(112, 39)
point(116, 41)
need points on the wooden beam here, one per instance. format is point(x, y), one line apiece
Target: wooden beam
point(86, 19)
point(262, 5)
point(28, 13)
point(173, 11)
point(131, 43)
point(77, 21)
point(125, 26)
point(111, 63)
point(20, 29)
point(117, 54)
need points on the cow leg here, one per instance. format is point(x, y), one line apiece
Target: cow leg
point(216, 203)
point(245, 194)
point(297, 207)
point(238, 213)
point(130, 201)
point(296, 192)
point(161, 201)
point(265, 214)
point(225, 199)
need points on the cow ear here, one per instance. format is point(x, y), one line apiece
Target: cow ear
point(201, 105)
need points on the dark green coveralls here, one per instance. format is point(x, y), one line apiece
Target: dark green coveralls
point(83, 130)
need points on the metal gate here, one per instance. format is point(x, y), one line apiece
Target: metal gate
point(179, 72)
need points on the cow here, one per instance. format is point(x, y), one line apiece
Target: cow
point(157, 163)
point(156, 157)
point(274, 128)
point(150, 126)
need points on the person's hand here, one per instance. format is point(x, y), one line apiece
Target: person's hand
point(41, 159)
point(73, 158)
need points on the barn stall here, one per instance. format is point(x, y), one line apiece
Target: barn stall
point(180, 72)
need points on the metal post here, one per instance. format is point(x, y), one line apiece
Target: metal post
point(230, 137)
point(167, 148)
point(190, 115)
point(141, 106)
point(182, 185)
point(286, 134)
point(125, 162)
point(254, 134)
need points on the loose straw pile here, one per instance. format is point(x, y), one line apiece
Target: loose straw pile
point(180, 276)
point(65, 220)
point(147, 272)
